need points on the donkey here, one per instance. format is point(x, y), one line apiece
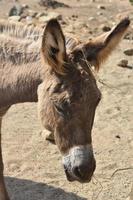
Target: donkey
point(57, 73)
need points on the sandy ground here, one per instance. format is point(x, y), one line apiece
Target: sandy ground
point(33, 169)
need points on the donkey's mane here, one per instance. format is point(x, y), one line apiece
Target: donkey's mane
point(18, 30)
point(21, 44)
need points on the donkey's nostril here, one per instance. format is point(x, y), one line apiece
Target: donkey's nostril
point(77, 172)
point(80, 171)
point(84, 171)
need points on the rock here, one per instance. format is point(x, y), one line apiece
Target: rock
point(123, 63)
point(99, 13)
point(63, 22)
point(14, 18)
point(48, 135)
point(74, 16)
point(118, 137)
point(106, 28)
point(25, 6)
point(49, 16)
point(101, 7)
point(90, 32)
point(60, 17)
point(52, 4)
point(128, 52)
point(91, 18)
point(128, 36)
point(84, 25)
point(16, 10)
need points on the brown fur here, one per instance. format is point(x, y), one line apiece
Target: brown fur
point(67, 92)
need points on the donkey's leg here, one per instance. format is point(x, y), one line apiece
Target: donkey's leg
point(3, 192)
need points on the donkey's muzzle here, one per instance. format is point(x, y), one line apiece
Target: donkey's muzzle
point(84, 171)
point(80, 164)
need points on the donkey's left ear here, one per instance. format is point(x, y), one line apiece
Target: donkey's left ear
point(97, 50)
point(53, 46)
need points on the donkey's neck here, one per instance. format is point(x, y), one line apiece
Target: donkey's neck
point(19, 83)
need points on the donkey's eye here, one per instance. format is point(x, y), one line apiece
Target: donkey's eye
point(62, 109)
point(59, 109)
point(54, 50)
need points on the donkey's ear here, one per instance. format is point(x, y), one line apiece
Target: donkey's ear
point(53, 46)
point(97, 50)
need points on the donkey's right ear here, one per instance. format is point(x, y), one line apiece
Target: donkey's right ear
point(53, 46)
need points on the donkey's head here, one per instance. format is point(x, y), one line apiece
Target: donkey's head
point(69, 95)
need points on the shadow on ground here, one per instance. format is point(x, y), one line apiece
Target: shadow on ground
point(21, 189)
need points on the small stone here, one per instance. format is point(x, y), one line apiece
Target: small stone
point(16, 10)
point(128, 52)
point(14, 18)
point(91, 18)
point(52, 4)
point(84, 25)
point(99, 13)
point(117, 136)
point(74, 16)
point(90, 32)
point(25, 6)
point(48, 135)
point(128, 36)
point(63, 22)
point(60, 17)
point(105, 28)
point(101, 7)
point(123, 63)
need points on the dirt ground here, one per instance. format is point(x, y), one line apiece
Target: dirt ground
point(33, 169)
